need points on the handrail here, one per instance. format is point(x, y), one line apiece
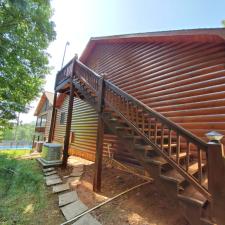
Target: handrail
point(147, 109)
point(87, 69)
point(165, 120)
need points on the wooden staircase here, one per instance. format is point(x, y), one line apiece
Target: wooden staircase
point(174, 157)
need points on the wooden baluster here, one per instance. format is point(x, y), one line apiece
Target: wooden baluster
point(170, 141)
point(132, 113)
point(199, 165)
point(116, 102)
point(188, 155)
point(137, 118)
point(124, 107)
point(149, 128)
point(162, 136)
point(113, 99)
point(127, 106)
point(155, 131)
point(143, 122)
point(178, 149)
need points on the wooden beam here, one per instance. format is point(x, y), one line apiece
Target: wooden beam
point(68, 124)
point(100, 138)
point(51, 130)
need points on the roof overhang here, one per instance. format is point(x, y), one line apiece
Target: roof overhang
point(216, 35)
point(45, 95)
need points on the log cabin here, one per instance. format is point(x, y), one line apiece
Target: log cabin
point(43, 112)
point(150, 99)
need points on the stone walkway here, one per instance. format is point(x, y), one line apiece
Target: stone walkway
point(69, 202)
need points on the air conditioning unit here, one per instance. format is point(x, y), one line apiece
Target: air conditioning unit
point(51, 154)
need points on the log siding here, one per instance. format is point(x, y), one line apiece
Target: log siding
point(184, 81)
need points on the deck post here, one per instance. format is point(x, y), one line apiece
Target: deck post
point(51, 130)
point(69, 118)
point(216, 180)
point(100, 137)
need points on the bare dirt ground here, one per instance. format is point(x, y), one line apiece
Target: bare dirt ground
point(143, 206)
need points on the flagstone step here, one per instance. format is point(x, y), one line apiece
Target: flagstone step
point(66, 198)
point(87, 219)
point(73, 209)
point(54, 181)
point(50, 173)
point(60, 188)
point(54, 176)
point(48, 169)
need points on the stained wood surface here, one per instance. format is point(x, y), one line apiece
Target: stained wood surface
point(183, 81)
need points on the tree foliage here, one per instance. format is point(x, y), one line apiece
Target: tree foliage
point(26, 30)
point(23, 132)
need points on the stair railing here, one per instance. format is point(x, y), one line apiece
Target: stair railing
point(171, 140)
point(64, 73)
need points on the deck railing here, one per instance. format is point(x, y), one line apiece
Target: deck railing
point(173, 142)
point(64, 73)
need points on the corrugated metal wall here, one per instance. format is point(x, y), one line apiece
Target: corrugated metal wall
point(183, 81)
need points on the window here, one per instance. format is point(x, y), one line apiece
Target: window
point(38, 123)
point(41, 121)
point(62, 118)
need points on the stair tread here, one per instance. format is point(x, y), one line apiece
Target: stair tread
point(167, 145)
point(132, 136)
point(173, 174)
point(181, 155)
point(194, 168)
point(157, 159)
point(143, 147)
point(191, 192)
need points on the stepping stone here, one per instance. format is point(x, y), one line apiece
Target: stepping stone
point(87, 219)
point(66, 198)
point(52, 176)
point(50, 182)
point(73, 181)
point(48, 169)
point(78, 167)
point(73, 209)
point(60, 188)
point(76, 173)
point(50, 173)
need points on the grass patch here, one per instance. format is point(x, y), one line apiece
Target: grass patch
point(15, 153)
point(23, 195)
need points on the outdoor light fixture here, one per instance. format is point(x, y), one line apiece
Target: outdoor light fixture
point(67, 44)
point(214, 136)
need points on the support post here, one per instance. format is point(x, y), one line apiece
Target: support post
point(69, 116)
point(216, 180)
point(100, 138)
point(51, 130)
point(68, 125)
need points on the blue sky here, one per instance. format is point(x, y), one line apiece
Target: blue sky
point(78, 20)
